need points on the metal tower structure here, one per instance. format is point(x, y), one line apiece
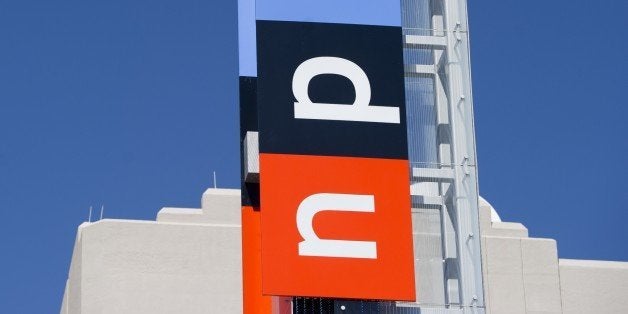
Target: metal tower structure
point(441, 141)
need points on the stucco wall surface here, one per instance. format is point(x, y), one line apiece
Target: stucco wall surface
point(124, 266)
point(523, 275)
point(593, 286)
point(189, 261)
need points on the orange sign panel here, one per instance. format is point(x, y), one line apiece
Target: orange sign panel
point(336, 227)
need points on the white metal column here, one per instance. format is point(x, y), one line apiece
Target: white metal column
point(454, 172)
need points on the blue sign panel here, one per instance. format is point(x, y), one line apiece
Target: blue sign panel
point(246, 38)
point(363, 12)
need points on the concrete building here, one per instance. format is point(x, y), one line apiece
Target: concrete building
point(189, 261)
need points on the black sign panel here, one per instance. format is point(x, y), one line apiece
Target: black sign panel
point(331, 89)
point(248, 123)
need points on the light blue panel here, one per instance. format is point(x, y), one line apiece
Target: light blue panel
point(366, 12)
point(246, 38)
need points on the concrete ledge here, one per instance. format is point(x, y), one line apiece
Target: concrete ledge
point(540, 275)
point(222, 206)
point(491, 225)
point(171, 214)
point(593, 286)
point(507, 229)
point(126, 266)
point(218, 206)
point(593, 264)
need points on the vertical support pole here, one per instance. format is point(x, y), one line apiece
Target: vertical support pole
point(463, 146)
point(448, 241)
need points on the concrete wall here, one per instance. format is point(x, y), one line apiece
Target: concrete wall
point(593, 286)
point(186, 262)
point(189, 261)
point(525, 275)
point(520, 273)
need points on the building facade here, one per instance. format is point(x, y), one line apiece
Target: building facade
point(189, 261)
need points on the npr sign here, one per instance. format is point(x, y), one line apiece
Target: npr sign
point(334, 175)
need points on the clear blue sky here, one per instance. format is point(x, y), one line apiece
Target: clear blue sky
point(133, 104)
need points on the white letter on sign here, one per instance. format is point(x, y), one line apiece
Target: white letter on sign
point(312, 245)
point(360, 110)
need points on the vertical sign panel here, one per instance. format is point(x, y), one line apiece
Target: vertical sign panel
point(336, 227)
point(331, 89)
point(334, 181)
point(321, 86)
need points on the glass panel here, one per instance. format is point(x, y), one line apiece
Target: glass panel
point(421, 118)
point(428, 253)
point(416, 17)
